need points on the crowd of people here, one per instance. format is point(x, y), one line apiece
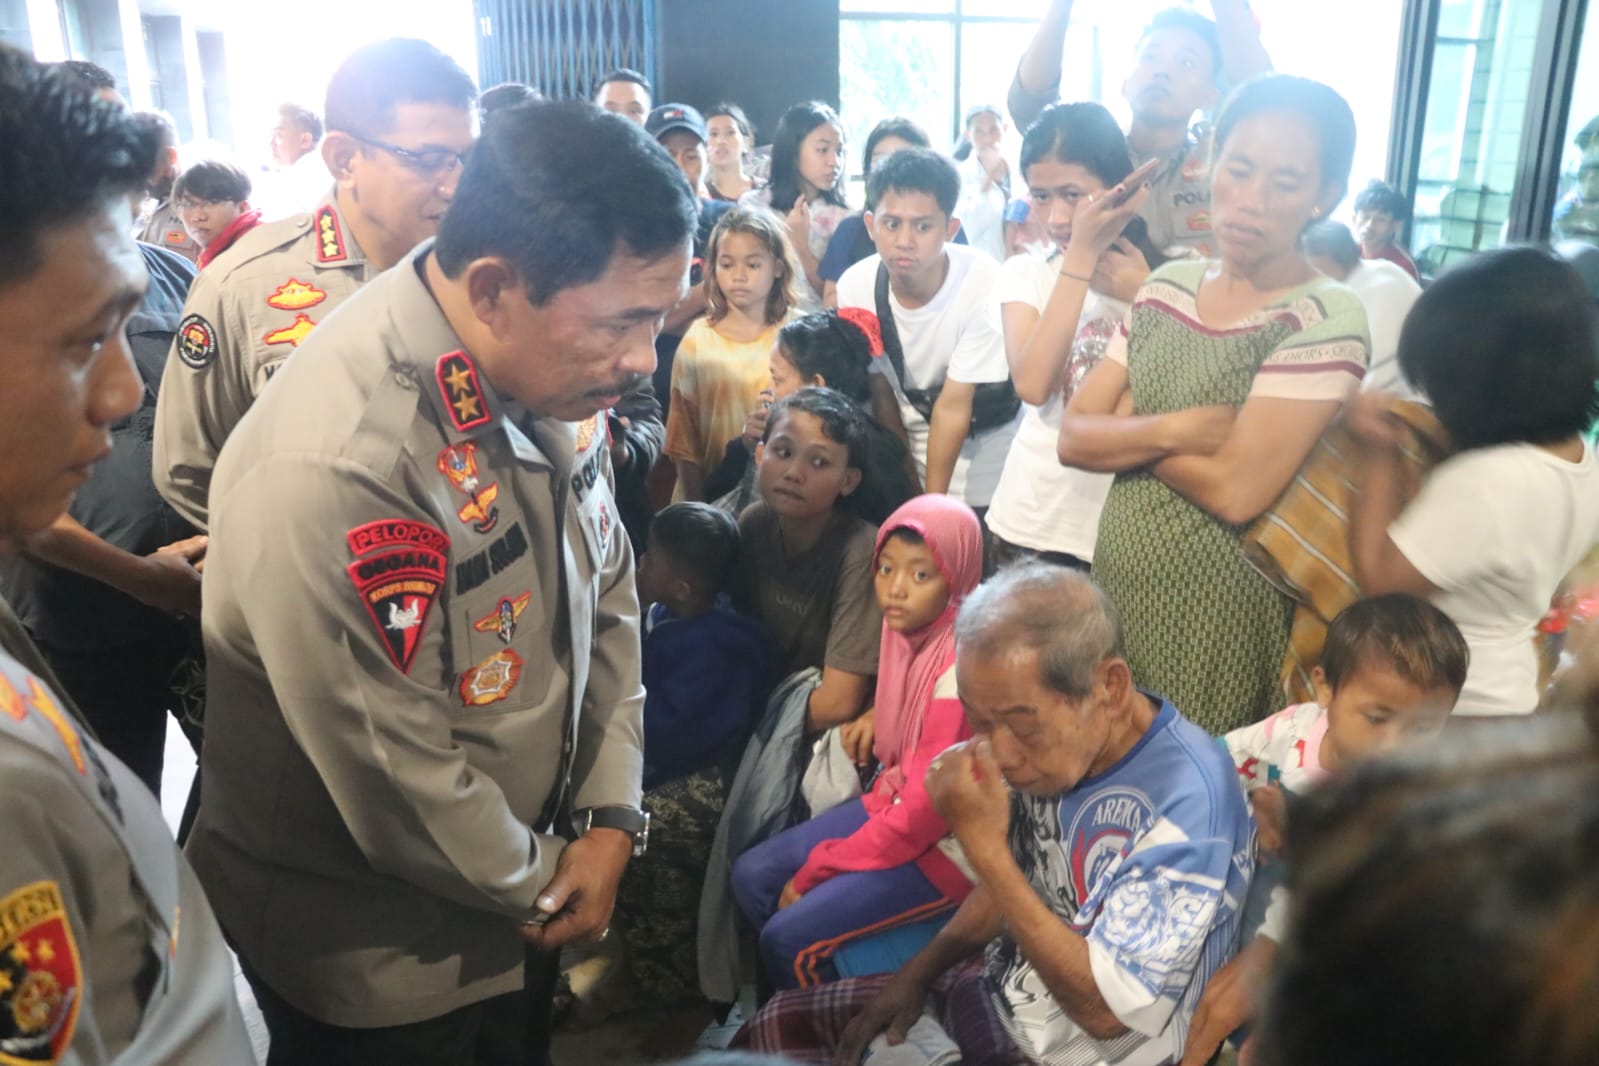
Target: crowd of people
point(1014, 617)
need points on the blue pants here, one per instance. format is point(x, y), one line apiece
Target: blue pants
point(797, 943)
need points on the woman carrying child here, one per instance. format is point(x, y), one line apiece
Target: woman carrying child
point(721, 363)
point(885, 858)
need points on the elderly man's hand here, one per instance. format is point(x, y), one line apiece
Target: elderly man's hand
point(969, 793)
point(580, 896)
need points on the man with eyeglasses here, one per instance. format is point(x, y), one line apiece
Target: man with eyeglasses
point(399, 117)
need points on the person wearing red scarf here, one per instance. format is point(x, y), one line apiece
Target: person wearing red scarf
point(213, 199)
point(887, 858)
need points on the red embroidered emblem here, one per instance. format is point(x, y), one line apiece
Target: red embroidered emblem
point(463, 394)
point(329, 236)
point(394, 532)
point(458, 462)
point(1194, 170)
point(295, 296)
point(398, 587)
point(587, 430)
point(506, 614)
point(1199, 222)
point(291, 334)
point(41, 980)
point(176, 236)
point(491, 680)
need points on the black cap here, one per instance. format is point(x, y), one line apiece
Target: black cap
point(669, 117)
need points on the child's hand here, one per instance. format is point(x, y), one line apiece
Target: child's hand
point(799, 222)
point(1231, 999)
point(1370, 418)
point(858, 736)
point(755, 424)
point(1271, 818)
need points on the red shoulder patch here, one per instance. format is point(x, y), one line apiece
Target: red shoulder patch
point(329, 236)
point(398, 587)
point(396, 532)
point(462, 391)
point(41, 979)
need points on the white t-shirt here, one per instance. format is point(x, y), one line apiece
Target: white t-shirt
point(1388, 293)
point(1039, 503)
point(1497, 529)
point(955, 335)
point(982, 213)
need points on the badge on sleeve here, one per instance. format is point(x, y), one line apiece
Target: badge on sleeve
point(295, 295)
point(176, 237)
point(293, 333)
point(197, 342)
point(506, 614)
point(398, 587)
point(41, 982)
point(1199, 222)
point(491, 680)
point(458, 462)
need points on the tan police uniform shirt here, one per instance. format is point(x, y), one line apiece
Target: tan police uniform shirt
point(108, 951)
point(163, 227)
point(420, 626)
point(248, 311)
point(1178, 209)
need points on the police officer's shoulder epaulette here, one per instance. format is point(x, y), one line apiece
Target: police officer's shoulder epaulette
point(263, 240)
point(378, 440)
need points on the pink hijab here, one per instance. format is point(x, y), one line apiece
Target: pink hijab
point(910, 664)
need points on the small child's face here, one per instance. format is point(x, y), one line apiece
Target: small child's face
point(745, 272)
point(1375, 229)
point(802, 471)
point(1375, 711)
point(654, 575)
point(911, 590)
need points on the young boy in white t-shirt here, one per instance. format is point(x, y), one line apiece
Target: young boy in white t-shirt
point(947, 325)
point(1390, 672)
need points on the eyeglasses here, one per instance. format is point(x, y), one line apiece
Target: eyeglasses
point(428, 162)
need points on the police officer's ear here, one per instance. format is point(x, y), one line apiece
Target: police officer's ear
point(338, 152)
point(491, 286)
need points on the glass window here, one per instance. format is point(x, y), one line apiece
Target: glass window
point(1576, 214)
point(896, 7)
point(1471, 137)
point(894, 67)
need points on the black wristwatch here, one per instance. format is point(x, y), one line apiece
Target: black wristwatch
point(630, 820)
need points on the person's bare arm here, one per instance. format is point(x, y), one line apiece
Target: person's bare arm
point(1039, 70)
point(691, 480)
point(1381, 493)
point(1242, 53)
point(1270, 440)
point(1097, 434)
point(951, 422)
point(166, 579)
point(838, 699)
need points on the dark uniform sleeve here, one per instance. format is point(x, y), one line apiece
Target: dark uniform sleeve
point(207, 387)
point(379, 738)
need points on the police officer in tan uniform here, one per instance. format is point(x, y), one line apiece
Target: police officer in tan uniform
point(420, 618)
point(399, 123)
point(108, 951)
point(160, 223)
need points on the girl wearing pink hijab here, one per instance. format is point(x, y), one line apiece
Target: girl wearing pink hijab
point(887, 858)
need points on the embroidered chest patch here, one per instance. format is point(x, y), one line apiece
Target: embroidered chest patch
point(40, 976)
point(491, 680)
point(293, 333)
point(458, 462)
point(506, 614)
point(295, 295)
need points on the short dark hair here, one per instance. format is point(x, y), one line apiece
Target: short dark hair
point(917, 170)
point(792, 129)
point(894, 126)
point(627, 74)
point(93, 75)
point(159, 126)
point(1182, 18)
point(66, 153)
point(304, 118)
point(1461, 875)
point(1333, 240)
point(1378, 195)
point(833, 348)
point(504, 95)
point(1082, 134)
point(544, 212)
point(1504, 346)
point(1401, 633)
point(376, 78)
point(1321, 107)
point(212, 180)
point(701, 540)
point(736, 113)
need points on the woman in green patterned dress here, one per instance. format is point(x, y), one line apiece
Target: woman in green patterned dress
point(1218, 386)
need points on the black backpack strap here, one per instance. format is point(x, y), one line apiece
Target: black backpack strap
point(888, 327)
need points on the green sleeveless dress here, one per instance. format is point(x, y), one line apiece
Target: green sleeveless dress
point(1203, 628)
